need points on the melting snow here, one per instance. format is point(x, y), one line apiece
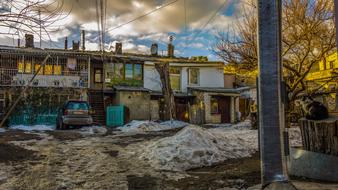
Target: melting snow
point(147, 126)
point(93, 130)
point(195, 147)
point(33, 127)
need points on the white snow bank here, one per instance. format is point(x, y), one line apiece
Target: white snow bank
point(195, 147)
point(92, 130)
point(147, 126)
point(242, 125)
point(33, 127)
point(2, 130)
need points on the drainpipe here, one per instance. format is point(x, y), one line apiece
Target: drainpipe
point(271, 120)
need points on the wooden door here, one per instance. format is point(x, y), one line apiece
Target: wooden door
point(224, 109)
point(182, 109)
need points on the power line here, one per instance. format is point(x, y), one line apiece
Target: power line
point(144, 15)
point(226, 2)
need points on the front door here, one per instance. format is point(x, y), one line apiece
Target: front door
point(181, 109)
point(224, 109)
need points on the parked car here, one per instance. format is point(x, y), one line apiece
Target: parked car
point(74, 113)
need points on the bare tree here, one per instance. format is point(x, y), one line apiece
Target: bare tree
point(308, 35)
point(169, 101)
point(38, 17)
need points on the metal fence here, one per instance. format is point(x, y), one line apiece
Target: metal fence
point(74, 79)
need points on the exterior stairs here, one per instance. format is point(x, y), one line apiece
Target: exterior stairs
point(97, 104)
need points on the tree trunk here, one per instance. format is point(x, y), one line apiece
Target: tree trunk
point(320, 136)
point(168, 95)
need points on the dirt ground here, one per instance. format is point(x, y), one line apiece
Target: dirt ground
point(65, 160)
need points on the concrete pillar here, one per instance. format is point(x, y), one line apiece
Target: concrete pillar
point(270, 105)
point(232, 110)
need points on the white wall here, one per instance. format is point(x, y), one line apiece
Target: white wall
point(209, 77)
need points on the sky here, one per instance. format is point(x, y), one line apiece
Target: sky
point(193, 23)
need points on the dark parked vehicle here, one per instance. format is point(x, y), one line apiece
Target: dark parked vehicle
point(74, 113)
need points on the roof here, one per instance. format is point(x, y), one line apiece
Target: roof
point(216, 90)
point(107, 55)
point(131, 88)
point(176, 94)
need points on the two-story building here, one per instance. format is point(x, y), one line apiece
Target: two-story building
point(200, 94)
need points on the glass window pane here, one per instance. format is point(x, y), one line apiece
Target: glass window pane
point(214, 106)
point(129, 71)
point(138, 71)
point(98, 75)
point(119, 70)
point(20, 67)
point(193, 76)
point(57, 69)
point(109, 70)
point(36, 68)
point(48, 69)
point(28, 68)
point(175, 81)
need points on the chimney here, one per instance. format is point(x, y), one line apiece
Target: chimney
point(118, 48)
point(66, 43)
point(29, 41)
point(83, 38)
point(76, 45)
point(171, 49)
point(154, 49)
point(19, 42)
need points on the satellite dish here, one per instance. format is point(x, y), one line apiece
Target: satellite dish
point(154, 49)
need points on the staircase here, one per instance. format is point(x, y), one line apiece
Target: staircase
point(97, 104)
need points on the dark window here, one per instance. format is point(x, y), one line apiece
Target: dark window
point(98, 75)
point(331, 64)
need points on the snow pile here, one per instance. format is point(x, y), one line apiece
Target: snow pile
point(195, 147)
point(147, 126)
point(93, 130)
point(242, 125)
point(295, 137)
point(175, 124)
point(33, 127)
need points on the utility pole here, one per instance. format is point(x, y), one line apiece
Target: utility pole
point(336, 20)
point(271, 113)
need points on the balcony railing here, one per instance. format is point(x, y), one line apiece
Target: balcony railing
point(67, 79)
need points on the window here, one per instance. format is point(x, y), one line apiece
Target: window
point(214, 105)
point(175, 79)
point(119, 70)
point(21, 67)
point(98, 75)
point(129, 71)
point(138, 72)
point(194, 76)
point(36, 68)
point(57, 69)
point(48, 69)
point(28, 67)
point(331, 64)
point(109, 70)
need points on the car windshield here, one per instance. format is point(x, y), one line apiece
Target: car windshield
point(77, 106)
